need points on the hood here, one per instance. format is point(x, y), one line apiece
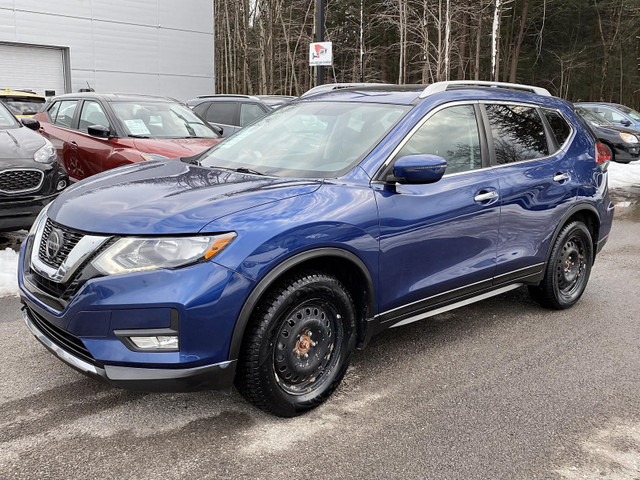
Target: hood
point(175, 147)
point(614, 129)
point(166, 197)
point(19, 142)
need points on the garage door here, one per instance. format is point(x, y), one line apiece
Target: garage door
point(34, 68)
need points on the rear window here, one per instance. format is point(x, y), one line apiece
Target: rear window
point(518, 133)
point(24, 105)
point(65, 113)
point(223, 112)
point(559, 126)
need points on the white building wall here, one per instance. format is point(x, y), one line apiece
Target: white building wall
point(160, 47)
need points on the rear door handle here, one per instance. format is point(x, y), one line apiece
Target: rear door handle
point(561, 177)
point(485, 196)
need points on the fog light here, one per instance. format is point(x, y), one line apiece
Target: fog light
point(62, 184)
point(160, 342)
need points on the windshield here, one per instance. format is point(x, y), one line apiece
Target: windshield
point(307, 139)
point(593, 117)
point(23, 105)
point(6, 119)
point(161, 120)
point(629, 111)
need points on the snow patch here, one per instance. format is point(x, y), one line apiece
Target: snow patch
point(8, 272)
point(623, 175)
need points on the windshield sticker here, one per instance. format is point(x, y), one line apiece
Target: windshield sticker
point(137, 126)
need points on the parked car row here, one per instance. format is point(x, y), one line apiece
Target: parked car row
point(91, 133)
point(269, 258)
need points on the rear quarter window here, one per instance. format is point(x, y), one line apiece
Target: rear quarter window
point(559, 126)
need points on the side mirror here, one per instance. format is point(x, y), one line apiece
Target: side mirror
point(419, 169)
point(31, 123)
point(99, 131)
point(217, 128)
point(626, 123)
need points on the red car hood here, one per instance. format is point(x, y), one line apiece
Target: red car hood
point(174, 147)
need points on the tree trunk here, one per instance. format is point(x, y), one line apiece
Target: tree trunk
point(516, 50)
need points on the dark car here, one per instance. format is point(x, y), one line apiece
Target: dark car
point(292, 243)
point(229, 112)
point(623, 142)
point(96, 132)
point(31, 174)
point(616, 113)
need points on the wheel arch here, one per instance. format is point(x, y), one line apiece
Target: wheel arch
point(346, 266)
point(587, 214)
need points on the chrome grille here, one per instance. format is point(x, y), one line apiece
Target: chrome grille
point(14, 181)
point(69, 240)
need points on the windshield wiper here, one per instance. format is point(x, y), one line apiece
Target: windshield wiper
point(239, 170)
point(139, 136)
point(248, 170)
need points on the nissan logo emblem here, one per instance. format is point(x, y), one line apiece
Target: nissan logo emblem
point(54, 243)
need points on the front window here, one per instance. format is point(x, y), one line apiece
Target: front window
point(250, 112)
point(92, 114)
point(631, 112)
point(6, 119)
point(161, 120)
point(24, 105)
point(451, 133)
point(307, 139)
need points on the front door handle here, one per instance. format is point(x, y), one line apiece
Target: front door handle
point(561, 177)
point(486, 196)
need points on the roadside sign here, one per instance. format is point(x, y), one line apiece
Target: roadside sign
point(320, 54)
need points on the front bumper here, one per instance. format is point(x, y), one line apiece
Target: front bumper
point(217, 376)
point(200, 302)
point(19, 214)
point(625, 153)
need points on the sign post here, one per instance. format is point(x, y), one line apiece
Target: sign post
point(320, 39)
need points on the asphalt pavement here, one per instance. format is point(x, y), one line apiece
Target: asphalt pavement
point(502, 389)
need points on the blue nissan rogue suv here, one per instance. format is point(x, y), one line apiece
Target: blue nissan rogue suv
point(267, 259)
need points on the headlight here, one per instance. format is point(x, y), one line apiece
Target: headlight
point(136, 254)
point(46, 153)
point(628, 138)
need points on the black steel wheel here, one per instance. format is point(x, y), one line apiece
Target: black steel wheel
point(298, 345)
point(568, 269)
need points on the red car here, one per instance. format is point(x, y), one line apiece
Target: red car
point(96, 132)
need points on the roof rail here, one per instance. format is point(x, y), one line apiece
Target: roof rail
point(327, 87)
point(213, 95)
point(444, 86)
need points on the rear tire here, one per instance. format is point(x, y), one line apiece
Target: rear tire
point(298, 345)
point(568, 269)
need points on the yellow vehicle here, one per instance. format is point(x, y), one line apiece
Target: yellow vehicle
point(22, 103)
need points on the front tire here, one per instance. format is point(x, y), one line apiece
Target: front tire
point(298, 344)
point(568, 269)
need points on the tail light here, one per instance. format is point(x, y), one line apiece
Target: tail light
point(603, 155)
